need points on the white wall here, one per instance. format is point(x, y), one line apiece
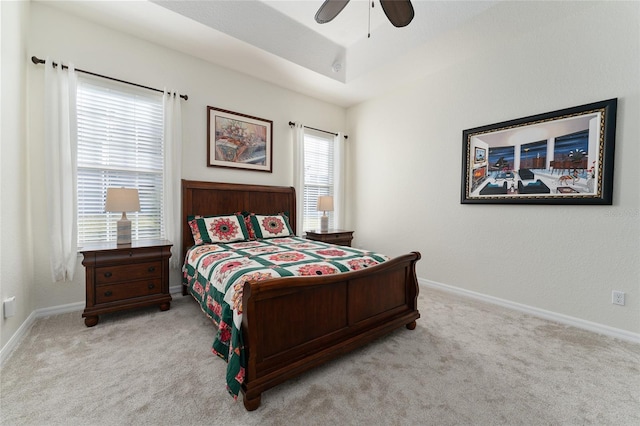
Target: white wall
point(405, 146)
point(70, 39)
point(15, 238)
point(563, 259)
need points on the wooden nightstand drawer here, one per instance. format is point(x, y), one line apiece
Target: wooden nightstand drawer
point(114, 274)
point(115, 292)
point(332, 236)
point(127, 276)
point(131, 254)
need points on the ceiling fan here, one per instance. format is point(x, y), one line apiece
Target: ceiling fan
point(399, 12)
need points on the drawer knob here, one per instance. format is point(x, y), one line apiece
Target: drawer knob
point(130, 253)
point(107, 274)
point(108, 293)
point(151, 268)
point(151, 286)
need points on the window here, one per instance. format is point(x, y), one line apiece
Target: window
point(120, 144)
point(318, 176)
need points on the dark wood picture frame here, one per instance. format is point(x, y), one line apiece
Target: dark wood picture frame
point(239, 141)
point(559, 157)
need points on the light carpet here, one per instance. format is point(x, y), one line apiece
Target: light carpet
point(466, 363)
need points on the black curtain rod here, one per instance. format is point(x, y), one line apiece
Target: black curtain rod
point(293, 123)
point(37, 61)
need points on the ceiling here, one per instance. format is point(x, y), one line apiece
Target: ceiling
point(341, 49)
point(279, 41)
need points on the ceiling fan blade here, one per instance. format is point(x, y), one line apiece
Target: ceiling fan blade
point(329, 10)
point(399, 12)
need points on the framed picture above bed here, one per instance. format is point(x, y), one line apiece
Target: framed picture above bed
point(238, 141)
point(559, 157)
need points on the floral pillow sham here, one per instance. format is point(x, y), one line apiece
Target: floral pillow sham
point(218, 229)
point(271, 226)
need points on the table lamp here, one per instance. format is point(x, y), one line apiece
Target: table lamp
point(123, 200)
point(325, 204)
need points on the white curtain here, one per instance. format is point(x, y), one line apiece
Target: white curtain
point(298, 174)
point(172, 174)
point(61, 140)
point(339, 180)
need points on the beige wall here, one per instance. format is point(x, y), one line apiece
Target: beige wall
point(66, 38)
point(562, 259)
point(16, 278)
point(404, 147)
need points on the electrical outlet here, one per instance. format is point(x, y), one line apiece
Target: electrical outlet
point(9, 307)
point(617, 297)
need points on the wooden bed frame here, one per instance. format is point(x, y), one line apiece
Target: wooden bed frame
point(293, 324)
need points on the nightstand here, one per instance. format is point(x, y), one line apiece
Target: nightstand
point(126, 276)
point(332, 236)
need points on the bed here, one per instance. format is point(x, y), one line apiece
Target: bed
point(292, 324)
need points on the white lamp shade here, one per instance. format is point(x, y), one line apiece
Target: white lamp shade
point(122, 200)
point(325, 203)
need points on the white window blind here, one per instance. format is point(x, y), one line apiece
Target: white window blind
point(120, 144)
point(318, 176)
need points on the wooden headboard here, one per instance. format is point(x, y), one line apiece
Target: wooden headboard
point(213, 198)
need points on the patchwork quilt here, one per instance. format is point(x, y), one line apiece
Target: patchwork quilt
point(215, 275)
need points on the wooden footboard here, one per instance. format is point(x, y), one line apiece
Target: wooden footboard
point(293, 324)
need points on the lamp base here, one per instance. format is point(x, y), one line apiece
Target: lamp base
point(324, 223)
point(124, 230)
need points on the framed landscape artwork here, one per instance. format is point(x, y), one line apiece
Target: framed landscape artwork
point(480, 155)
point(238, 141)
point(559, 157)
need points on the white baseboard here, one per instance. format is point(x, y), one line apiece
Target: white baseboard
point(553, 316)
point(62, 309)
point(17, 337)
